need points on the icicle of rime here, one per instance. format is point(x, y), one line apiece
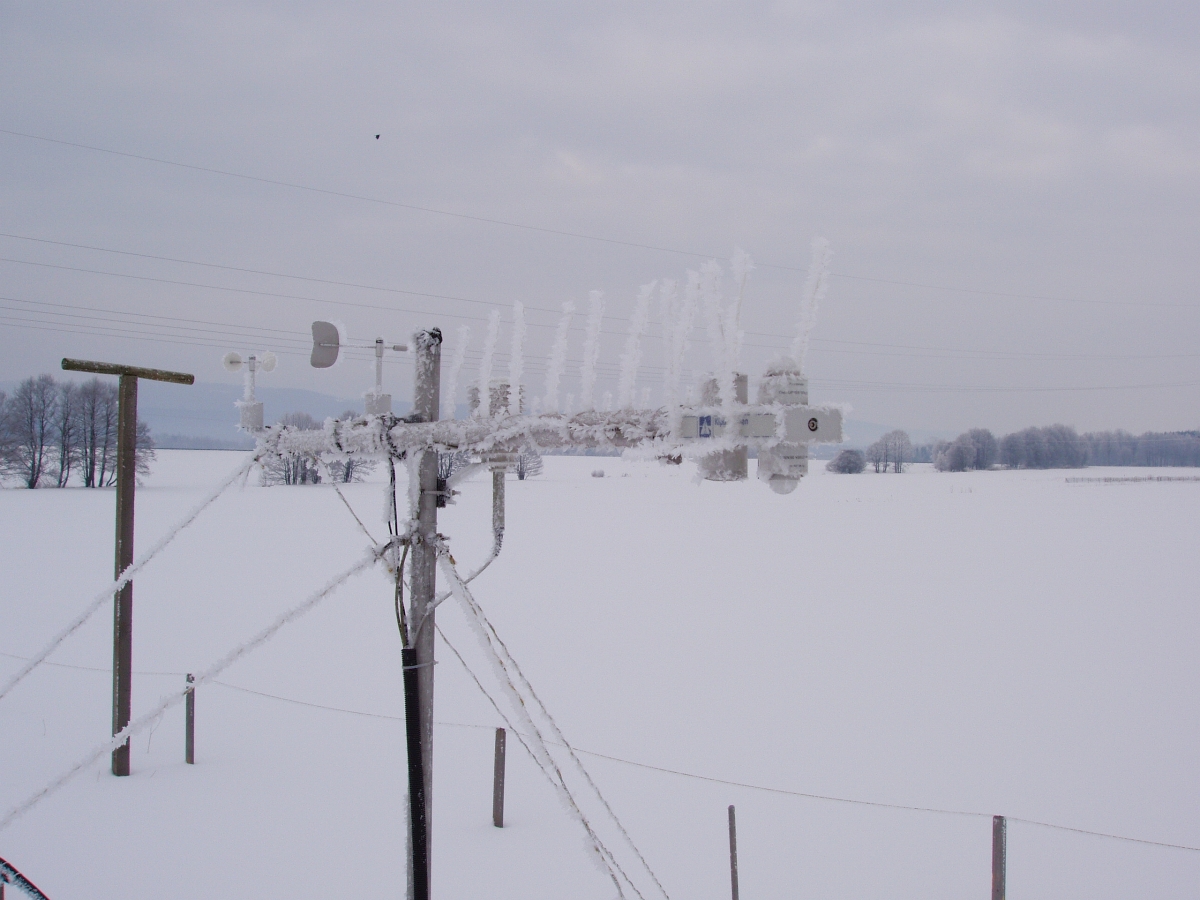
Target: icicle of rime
point(516, 359)
point(741, 265)
point(485, 365)
point(814, 291)
point(632, 357)
point(413, 461)
point(719, 330)
point(591, 348)
point(450, 397)
point(558, 358)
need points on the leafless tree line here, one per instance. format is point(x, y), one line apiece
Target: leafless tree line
point(892, 452)
point(1062, 447)
point(297, 468)
point(54, 431)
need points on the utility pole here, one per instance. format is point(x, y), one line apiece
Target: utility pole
point(426, 404)
point(718, 434)
point(126, 482)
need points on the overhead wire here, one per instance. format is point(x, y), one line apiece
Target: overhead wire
point(560, 232)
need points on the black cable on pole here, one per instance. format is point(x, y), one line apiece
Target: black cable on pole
point(417, 814)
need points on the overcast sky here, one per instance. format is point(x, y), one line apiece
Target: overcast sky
point(1011, 192)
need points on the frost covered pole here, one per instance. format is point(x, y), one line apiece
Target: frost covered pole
point(126, 481)
point(426, 403)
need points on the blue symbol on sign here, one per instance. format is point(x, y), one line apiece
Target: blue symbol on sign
point(706, 426)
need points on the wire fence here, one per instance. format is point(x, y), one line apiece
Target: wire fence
point(679, 773)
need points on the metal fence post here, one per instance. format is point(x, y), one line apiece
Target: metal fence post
point(733, 873)
point(189, 740)
point(498, 780)
point(999, 856)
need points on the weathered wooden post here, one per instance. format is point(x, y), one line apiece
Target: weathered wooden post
point(126, 482)
point(418, 658)
point(999, 856)
point(497, 780)
point(189, 728)
point(733, 875)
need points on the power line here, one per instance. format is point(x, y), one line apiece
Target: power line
point(378, 200)
point(957, 353)
point(846, 385)
point(563, 233)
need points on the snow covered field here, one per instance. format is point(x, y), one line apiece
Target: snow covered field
point(990, 642)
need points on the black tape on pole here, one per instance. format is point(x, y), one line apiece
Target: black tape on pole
point(416, 777)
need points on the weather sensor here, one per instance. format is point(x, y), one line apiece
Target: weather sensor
point(252, 409)
point(327, 341)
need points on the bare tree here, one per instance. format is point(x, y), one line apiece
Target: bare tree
point(877, 455)
point(898, 450)
point(986, 448)
point(847, 462)
point(1053, 447)
point(956, 456)
point(98, 405)
point(1012, 451)
point(66, 430)
point(293, 468)
point(97, 411)
point(529, 463)
point(30, 416)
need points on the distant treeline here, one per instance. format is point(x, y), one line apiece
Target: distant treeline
point(1051, 447)
point(1061, 447)
point(52, 432)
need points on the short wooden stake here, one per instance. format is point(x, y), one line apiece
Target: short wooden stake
point(189, 733)
point(999, 855)
point(498, 780)
point(733, 876)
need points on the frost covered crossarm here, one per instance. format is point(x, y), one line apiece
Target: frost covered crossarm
point(383, 436)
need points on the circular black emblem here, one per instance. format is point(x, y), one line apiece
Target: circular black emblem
point(812, 424)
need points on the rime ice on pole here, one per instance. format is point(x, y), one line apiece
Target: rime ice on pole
point(814, 291)
point(450, 395)
point(516, 359)
point(632, 357)
point(558, 358)
point(591, 349)
point(483, 409)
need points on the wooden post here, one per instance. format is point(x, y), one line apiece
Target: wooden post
point(733, 875)
point(497, 781)
point(126, 482)
point(189, 734)
point(999, 856)
point(423, 562)
point(123, 607)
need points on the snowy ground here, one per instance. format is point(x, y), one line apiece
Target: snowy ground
point(993, 642)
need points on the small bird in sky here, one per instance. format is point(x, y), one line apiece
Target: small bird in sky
point(376, 137)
